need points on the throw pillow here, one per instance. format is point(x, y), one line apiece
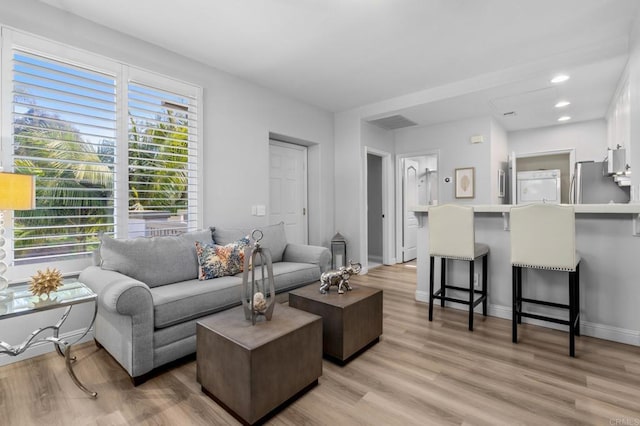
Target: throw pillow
point(155, 261)
point(274, 238)
point(218, 261)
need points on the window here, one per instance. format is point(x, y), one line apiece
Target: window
point(114, 149)
point(64, 133)
point(161, 176)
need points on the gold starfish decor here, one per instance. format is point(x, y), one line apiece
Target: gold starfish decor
point(45, 282)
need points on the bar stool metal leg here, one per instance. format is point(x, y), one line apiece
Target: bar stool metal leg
point(577, 302)
point(514, 297)
point(443, 275)
point(519, 290)
point(572, 313)
point(484, 284)
point(432, 264)
point(471, 293)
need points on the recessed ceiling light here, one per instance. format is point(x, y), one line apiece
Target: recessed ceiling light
point(562, 104)
point(560, 78)
point(564, 118)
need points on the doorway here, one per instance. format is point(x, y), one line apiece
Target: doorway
point(375, 213)
point(288, 189)
point(378, 212)
point(418, 185)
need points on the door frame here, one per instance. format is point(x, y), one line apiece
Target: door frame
point(387, 209)
point(305, 195)
point(399, 194)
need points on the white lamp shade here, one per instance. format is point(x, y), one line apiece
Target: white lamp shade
point(17, 192)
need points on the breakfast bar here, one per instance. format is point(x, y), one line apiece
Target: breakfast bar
point(608, 241)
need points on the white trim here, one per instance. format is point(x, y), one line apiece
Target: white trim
point(121, 209)
point(600, 331)
point(61, 52)
point(200, 159)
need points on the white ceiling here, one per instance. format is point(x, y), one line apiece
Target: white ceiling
point(342, 54)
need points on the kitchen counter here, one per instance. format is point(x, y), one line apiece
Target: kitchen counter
point(579, 208)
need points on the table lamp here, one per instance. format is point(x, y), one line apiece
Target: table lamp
point(17, 192)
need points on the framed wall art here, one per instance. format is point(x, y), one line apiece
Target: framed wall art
point(465, 182)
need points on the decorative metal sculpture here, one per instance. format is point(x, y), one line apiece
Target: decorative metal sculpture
point(339, 278)
point(258, 294)
point(43, 283)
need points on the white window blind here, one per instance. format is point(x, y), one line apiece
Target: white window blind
point(64, 132)
point(162, 161)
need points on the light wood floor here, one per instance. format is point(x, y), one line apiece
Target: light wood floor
point(420, 373)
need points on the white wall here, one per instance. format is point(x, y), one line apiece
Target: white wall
point(238, 117)
point(456, 151)
point(350, 193)
point(633, 70)
point(377, 137)
point(589, 138)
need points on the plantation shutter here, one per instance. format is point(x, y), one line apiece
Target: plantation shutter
point(64, 132)
point(162, 161)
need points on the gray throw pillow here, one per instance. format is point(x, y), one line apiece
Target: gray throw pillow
point(274, 238)
point(155, 261)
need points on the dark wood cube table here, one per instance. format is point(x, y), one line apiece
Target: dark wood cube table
point(351, 322)
point(252, 371)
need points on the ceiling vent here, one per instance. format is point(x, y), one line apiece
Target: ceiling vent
point(393, 122)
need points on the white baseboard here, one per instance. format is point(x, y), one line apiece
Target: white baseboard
point(600, 331)
point(422, 296)
point(41, 348)
point(375, 259)
point(616, 334)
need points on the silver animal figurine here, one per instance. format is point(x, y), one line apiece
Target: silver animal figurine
point(339, 278)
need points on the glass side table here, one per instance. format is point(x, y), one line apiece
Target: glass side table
point(20, 301)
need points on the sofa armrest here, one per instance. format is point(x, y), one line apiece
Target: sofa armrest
point(301, 253)
point(117, 292)
point(124, 324)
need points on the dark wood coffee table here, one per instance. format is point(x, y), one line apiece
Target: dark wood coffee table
point(252, 371)
point(351, 322)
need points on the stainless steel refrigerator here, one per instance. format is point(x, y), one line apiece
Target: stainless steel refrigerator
point(592, 185)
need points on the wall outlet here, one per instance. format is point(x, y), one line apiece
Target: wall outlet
point(476, 282)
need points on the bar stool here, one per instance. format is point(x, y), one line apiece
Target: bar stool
point(543, 236)
point(452, 236)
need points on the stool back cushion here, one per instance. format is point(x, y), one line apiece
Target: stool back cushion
point(451, 231)
point(543, 236)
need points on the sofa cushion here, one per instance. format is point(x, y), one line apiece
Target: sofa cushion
point(289, 275)
point(219, 261)
point(274, 238)
point(179, 302)
point(155, 261)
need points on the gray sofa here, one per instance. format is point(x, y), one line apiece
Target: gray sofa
point(149, 295)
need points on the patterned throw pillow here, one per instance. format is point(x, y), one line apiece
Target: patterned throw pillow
point(218, 261)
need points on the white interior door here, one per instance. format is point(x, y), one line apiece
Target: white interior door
point(288, 189)
point(410, 220)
